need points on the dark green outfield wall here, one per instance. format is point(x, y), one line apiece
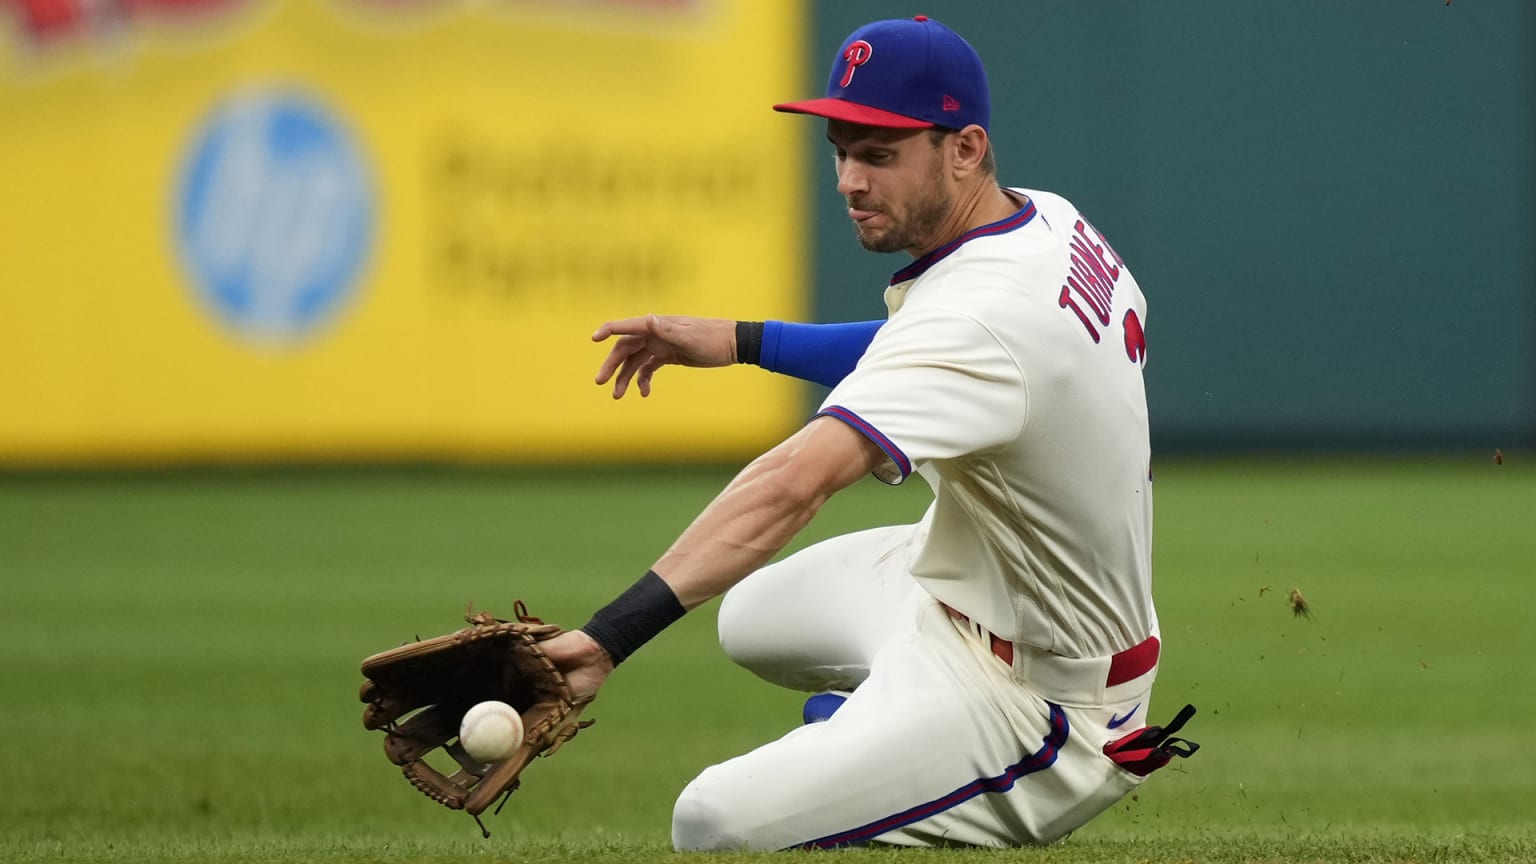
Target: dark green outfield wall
point(1331, 206)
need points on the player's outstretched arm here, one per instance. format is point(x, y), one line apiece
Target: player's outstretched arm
point(764, 507)
point(650, 342)
point(761, 510)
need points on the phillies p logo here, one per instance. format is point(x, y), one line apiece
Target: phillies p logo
point(856, 55)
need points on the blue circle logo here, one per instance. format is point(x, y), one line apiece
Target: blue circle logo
point(275, 214)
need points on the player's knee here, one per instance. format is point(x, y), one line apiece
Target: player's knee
point(702, 822)
point(741, 629)
point(762, 636)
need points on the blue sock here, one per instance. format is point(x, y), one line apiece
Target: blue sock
point(821, 706)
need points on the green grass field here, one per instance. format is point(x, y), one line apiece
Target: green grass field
point(179, 653)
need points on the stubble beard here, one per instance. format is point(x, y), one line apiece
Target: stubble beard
point(924, 219)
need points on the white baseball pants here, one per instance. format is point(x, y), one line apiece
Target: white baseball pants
point(939, 744)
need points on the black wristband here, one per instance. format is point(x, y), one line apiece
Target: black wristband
point(749, 342)
point(644, 609)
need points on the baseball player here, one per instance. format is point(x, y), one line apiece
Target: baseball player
point(1000, 653)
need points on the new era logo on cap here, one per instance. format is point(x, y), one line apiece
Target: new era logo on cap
point(908, 73)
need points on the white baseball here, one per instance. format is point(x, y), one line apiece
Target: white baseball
point(491, 731)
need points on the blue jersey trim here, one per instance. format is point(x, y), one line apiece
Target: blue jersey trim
point(1039, 760)
point(903, 464)
point(1002, 226)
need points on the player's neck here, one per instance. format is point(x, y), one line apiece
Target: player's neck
point(981, 204)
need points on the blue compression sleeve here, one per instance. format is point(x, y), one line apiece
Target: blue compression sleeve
point(822, 353)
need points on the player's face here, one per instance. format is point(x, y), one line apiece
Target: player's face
point(894, 181)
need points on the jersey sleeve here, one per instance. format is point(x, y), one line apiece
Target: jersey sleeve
point(933, 385)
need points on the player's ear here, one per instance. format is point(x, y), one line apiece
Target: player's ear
point(970, 150)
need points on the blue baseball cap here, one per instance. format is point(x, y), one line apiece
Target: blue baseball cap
point(904, 73)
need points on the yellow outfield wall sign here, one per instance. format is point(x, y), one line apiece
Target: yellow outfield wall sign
point(295, 229)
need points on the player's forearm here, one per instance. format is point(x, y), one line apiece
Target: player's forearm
point(754, 517)
point(741, 530)
point(746, 524)
point(820, 353)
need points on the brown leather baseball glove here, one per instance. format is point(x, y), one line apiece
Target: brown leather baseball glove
point(418, 693)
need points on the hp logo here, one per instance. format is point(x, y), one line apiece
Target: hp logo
point(274, 214)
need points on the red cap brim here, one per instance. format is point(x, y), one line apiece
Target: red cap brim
point(840, 109)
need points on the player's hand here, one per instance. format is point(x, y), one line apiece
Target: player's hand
point(650, 342)
point(581, 660)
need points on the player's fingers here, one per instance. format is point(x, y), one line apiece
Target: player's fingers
point(621, 351)
point(627, 372)
point(647, 370)
point(605, 371)
point(623, 327)
point(621, 383)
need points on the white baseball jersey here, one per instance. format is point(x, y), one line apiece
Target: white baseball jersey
point(1009, 376)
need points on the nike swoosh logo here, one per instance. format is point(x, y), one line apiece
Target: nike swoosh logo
point(1116, 722)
